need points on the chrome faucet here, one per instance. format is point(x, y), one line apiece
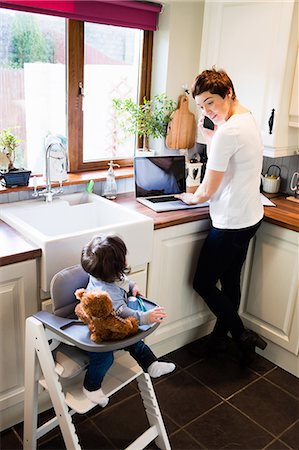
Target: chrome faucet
point(48, 193)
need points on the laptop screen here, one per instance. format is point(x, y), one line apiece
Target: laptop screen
point(159, 175)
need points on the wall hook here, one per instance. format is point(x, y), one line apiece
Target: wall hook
point(185, 88)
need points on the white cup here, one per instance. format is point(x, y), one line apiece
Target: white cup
point(193, 174)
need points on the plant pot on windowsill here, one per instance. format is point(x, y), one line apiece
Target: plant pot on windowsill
point(10, 176)
point(145, 150)
point(15, 177)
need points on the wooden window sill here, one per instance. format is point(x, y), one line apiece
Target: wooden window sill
point(73, 178)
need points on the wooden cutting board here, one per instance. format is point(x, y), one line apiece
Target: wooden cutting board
point(181, 129)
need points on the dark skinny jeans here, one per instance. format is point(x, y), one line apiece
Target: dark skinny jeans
point(100, 363)
point(221, 258)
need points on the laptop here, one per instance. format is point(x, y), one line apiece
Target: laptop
point(157, 179)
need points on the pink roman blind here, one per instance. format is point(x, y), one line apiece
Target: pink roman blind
point(131, 14)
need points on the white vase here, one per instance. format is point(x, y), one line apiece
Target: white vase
point(141, 152)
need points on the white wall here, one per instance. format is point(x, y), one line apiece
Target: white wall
point(176, 53)
point(176, 48)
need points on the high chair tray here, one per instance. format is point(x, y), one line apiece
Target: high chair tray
point(77, 333)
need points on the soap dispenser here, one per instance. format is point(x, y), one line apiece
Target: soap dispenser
point(110, 189)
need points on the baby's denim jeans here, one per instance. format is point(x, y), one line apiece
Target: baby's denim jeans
point(100, 363)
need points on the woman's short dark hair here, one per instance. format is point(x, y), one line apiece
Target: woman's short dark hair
point(104, 257)
point(213, 81)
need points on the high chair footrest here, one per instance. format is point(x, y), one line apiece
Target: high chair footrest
point(123, 371)
point(78, 334)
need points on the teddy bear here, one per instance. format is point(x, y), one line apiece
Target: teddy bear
point(95, 310)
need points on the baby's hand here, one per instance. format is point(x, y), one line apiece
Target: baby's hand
point(157, 314)
point(136, 290)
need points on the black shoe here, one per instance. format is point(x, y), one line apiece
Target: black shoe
point(246, 344)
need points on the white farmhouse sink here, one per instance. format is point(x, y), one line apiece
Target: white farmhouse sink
point(63, 227)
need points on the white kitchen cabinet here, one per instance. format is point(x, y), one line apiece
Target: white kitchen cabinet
point(269, 303)
point(256, 43)
point(170, 276)
point(18, 300)
point(139, 275)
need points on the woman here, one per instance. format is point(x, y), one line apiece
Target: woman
point(231, 183)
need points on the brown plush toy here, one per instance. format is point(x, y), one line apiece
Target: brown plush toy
point(95, 310)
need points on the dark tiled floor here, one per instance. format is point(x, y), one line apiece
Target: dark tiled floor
point(206, 404)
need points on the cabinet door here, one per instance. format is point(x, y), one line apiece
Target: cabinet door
point(252, 42)
point(269, 302)
point(170, 277)
point(18, 300)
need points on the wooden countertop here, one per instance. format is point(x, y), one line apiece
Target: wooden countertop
point(14, 248)
point(165, 219)
point(285, 214)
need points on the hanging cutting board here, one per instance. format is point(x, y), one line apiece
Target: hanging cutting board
point(181, 129)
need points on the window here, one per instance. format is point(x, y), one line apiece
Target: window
point(112, 62)
point(104, 62)
point(32, 82)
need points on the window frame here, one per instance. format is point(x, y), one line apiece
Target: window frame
point(75, 75)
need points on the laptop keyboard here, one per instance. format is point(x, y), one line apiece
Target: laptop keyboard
point(163, 199)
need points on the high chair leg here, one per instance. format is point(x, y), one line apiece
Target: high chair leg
point(39, 359)
point(37, 341)
point(153, 415)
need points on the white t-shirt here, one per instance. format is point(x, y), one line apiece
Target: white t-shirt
point(237, 150)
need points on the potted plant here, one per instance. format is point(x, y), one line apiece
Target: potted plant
point(11, 175)
point(150, 118)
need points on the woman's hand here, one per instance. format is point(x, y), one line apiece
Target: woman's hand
point(186, 197)
point(157, 315)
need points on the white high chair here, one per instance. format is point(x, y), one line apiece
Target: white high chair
point(62, 335)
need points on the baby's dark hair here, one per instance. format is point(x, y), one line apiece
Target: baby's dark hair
point(214, 81)
point(104, 257)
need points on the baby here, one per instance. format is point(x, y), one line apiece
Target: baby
point(105, 259)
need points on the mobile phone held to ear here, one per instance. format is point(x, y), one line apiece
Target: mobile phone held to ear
point(207, 123)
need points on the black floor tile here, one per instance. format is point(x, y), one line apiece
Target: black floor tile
point(191, 353)
point(225, 377)
point(57, 443)
point(9, 440)
point(183, 398)
point(291, 436)
point(261, 365)
point(124, 422)
point(91, 438)
point(276, 445)
point(225, 427)
point(285, 380)
point(183, 441)
point(268, 405)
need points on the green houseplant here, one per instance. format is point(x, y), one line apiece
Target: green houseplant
point(11, 175)
point(150, 118)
